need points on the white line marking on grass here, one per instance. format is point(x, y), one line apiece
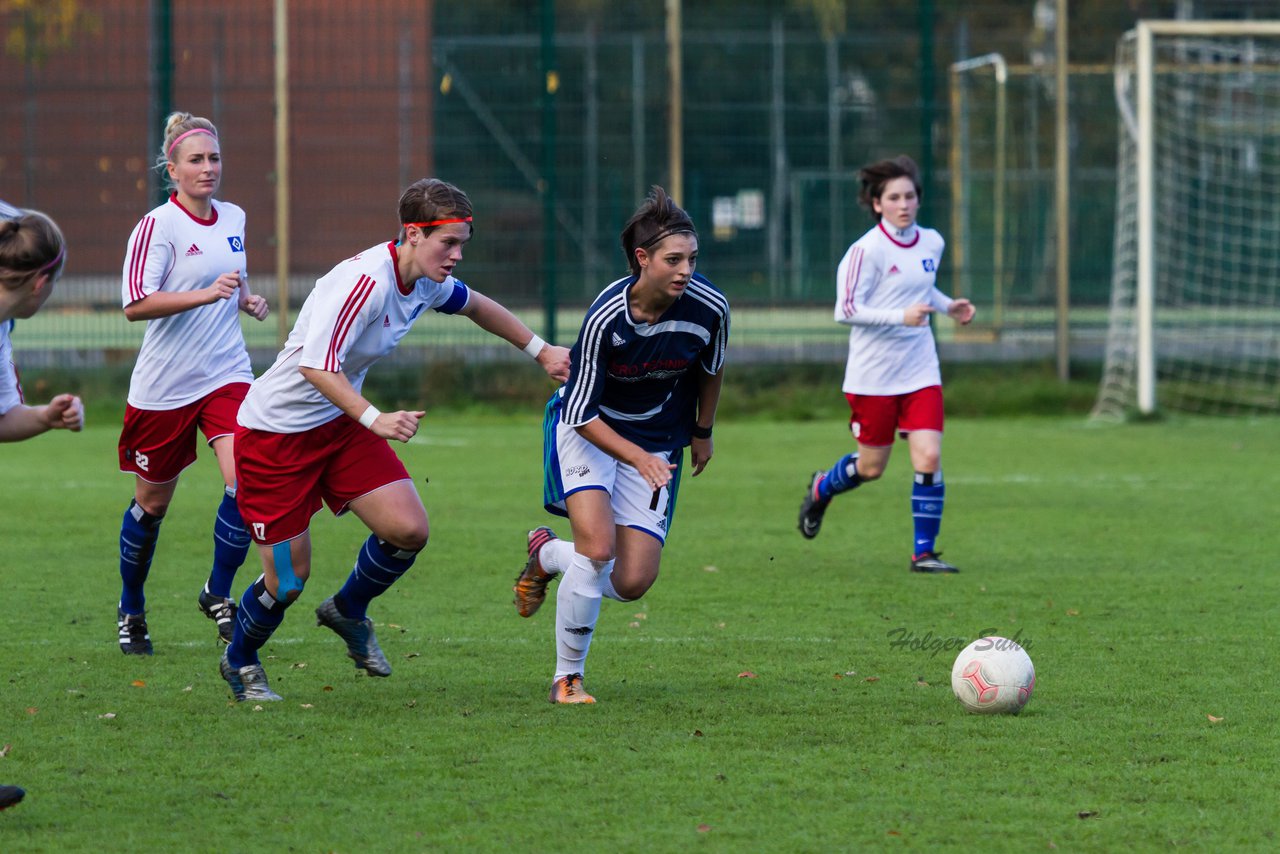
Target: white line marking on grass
point(439, 442)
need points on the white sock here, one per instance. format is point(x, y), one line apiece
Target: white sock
point(577, 609)
point(556, 555)
point(607, 590)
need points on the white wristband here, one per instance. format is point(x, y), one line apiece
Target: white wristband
point(534, 347)
point(369, 416)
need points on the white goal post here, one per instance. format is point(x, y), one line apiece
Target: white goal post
point(1195, 283)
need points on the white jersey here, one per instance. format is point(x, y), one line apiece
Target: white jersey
point(356, 314)
point(186, 356)
point(10, 388)
point(881, 275)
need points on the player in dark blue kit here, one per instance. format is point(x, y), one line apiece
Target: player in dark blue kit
point(644, 383)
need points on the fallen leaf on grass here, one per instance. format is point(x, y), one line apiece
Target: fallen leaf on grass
point(4, 751)
point(641, 616)
point(633, 625)
point(1072, 612)
point(838, 675)
point(1213, 720)
point(711, 569)
point(257, 708)
point(327, 688)
point(138, 683)
point(186, 689)
point(872, 679)
point(921, 683)
point(1086, 814)
point(307, 706)
point(108, 716)
point(704, 828)
point(298, 665)
point(697, 733)
point(31, 710)
point(894, 832)
point(746, 674)
point(408, 655)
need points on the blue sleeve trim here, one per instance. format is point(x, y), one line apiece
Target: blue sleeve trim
point(457, 301)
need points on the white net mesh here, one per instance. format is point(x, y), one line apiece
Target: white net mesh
point(1217, 228)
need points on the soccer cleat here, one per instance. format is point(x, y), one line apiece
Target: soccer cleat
point(812, 508)
point(10, 795)
point(247, 683)
point(221, 611)
point(568, 689)
point(362, 644)
point(930, 562)
point(531, 584)
point(134, 637)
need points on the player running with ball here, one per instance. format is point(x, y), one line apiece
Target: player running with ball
point(886, 294)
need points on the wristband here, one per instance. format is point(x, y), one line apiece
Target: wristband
point(700, 432)
point(369, 416)
point(534, 347)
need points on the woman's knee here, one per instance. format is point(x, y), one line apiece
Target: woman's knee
point(870, 470)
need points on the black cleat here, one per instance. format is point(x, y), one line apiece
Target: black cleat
point(930, 562)
point(10, 795)
point(812, 508)
point(221, 611)
point(134, 637)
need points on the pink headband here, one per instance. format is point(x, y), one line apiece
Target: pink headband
point(186, 134)
point(54, 263)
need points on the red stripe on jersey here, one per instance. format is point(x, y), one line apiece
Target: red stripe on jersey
point(851, 281)
point(138, 261)
point(350, 309)
point(895, 241)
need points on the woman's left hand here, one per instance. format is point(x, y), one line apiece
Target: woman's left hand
point(700, 453)
point(962, 311)
point(253, 305)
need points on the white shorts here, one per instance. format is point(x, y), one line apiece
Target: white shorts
point(573, 464)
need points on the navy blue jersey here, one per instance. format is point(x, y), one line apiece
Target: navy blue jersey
point(639, 378)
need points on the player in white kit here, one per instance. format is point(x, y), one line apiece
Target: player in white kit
point(886, 293)
point(32, 256)
point(184, 273)
point(309, 437)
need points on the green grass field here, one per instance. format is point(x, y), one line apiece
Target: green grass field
point(760, 698)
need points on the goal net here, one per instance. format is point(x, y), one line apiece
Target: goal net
point(1195, 307)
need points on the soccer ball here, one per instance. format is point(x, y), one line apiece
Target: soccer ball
point(993, 676)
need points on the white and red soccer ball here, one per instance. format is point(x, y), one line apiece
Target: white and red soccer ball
point(993, 675)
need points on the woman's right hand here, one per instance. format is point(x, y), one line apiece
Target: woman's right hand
point(655, 470)
point(223, 287)
point(918, 314)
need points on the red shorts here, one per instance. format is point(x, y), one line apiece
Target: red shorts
point(157, 444)
point(873, 418)
point(282, 478)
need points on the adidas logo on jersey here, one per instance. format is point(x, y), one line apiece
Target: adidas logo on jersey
point(194, 250)
point(618, 340)
point(893, 270)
